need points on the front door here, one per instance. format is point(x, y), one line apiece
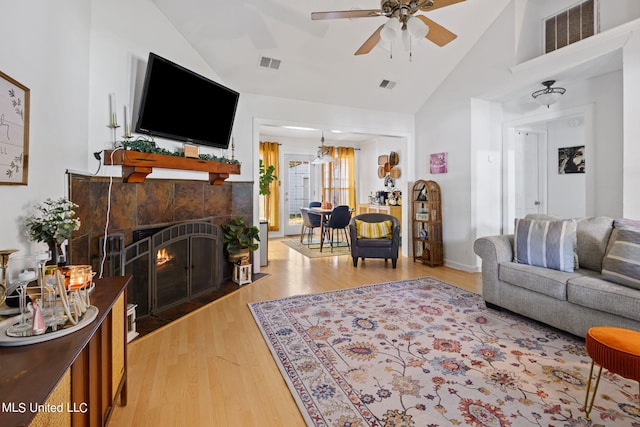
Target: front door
point(299, 189)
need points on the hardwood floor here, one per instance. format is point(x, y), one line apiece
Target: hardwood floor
point(213, 368)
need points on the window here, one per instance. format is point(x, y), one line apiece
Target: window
point(338, 177)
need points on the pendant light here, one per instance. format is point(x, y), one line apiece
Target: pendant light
point(549, 95)
point(323, 155)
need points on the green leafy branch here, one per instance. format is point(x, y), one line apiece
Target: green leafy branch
point(146, 146)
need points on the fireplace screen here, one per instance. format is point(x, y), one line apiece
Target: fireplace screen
point(174, 264)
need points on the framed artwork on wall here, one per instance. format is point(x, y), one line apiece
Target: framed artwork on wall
point(14, 131)
point(571, 160)
point(438, 163)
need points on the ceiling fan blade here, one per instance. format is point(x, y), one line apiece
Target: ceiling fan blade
point(371, 42)
point(337, 14)
point(438, 4)
point(437, 33)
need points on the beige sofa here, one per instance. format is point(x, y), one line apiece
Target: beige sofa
point(572, 301)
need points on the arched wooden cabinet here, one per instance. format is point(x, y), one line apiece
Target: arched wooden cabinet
point(426, 200)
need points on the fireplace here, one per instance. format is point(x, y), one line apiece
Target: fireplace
point(173, 264)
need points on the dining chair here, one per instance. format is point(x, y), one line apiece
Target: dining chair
point(308, 225)
point(339, 220)
point(315, 218)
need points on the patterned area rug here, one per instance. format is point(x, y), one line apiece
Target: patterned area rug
point(314, 251)
point(424, 353)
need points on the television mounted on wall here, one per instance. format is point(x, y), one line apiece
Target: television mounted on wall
point(181, 105)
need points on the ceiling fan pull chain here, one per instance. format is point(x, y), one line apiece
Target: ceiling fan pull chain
point(410, 49)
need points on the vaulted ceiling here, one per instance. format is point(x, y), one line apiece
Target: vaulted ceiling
point(317, 61)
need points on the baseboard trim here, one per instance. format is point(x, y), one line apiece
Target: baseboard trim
point(463, 267)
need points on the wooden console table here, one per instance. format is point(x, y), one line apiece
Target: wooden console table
point(73, 380)
point(136, 165)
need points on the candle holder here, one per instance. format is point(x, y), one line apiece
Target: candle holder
point(21, 271)
point(114, 127)
point(4, 261)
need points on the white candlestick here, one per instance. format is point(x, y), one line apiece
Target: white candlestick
point(112, 109)
point(127, 129)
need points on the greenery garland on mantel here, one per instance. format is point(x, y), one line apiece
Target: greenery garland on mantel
point(146, 146)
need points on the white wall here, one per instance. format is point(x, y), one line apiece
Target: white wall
point(533, 12)
point(453, 120)
point(566, 192)
point(46, 48)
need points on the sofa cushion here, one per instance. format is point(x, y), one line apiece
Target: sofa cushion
point(621, 263)
point(626, 223)
point(545, 243)
point(592, 291)
point(592, 236)
point(374, 230)
point(546, 281)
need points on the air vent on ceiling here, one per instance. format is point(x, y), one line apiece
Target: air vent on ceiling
point(265, 62)
point(387, 84)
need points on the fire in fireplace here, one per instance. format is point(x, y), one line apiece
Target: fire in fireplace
point(173, 264)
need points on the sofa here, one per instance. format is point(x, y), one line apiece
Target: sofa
point(571, 274)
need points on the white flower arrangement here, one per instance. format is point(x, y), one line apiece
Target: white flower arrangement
point(53, 222)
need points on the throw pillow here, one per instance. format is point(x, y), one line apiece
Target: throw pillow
point(548, 244)
point(621, 263)
point(374, 230)
point(546, 217)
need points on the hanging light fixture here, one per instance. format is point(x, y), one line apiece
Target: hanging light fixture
point(323, 155)
point(404, 28)
point(549, 95)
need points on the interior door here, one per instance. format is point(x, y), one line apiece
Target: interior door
point(525, 177)
point(299, 190)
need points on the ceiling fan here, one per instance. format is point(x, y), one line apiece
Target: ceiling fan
point(401, 19)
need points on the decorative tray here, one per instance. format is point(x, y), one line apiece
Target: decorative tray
point(5, 310)
point(7, 341)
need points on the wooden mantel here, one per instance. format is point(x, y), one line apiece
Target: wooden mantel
point(137, 165)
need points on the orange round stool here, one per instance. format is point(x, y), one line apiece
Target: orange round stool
point(617, 350)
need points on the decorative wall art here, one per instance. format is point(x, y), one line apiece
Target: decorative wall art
point(438, 163)
point(14, 131)
point(571, 160)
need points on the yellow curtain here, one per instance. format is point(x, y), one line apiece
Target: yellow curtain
point(338, 177)
point(270, 155)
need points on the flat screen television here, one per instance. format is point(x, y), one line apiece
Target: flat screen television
point(181, 105)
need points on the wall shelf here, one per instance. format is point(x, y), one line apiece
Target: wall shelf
point(137, 165)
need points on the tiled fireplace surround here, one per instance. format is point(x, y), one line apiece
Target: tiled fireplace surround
point(154, 202)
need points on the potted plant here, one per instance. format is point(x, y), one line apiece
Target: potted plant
point(267, 176)
point(239, 238)
point(53, 223)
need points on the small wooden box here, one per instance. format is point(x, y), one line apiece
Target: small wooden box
point(191, 151)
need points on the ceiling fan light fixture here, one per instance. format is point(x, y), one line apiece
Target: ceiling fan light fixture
point(549, 95)
point(417, 28)
point(390, 30)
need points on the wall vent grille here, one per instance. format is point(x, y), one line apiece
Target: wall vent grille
point(387, 84)
point(270, 63)
point(571, 25)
